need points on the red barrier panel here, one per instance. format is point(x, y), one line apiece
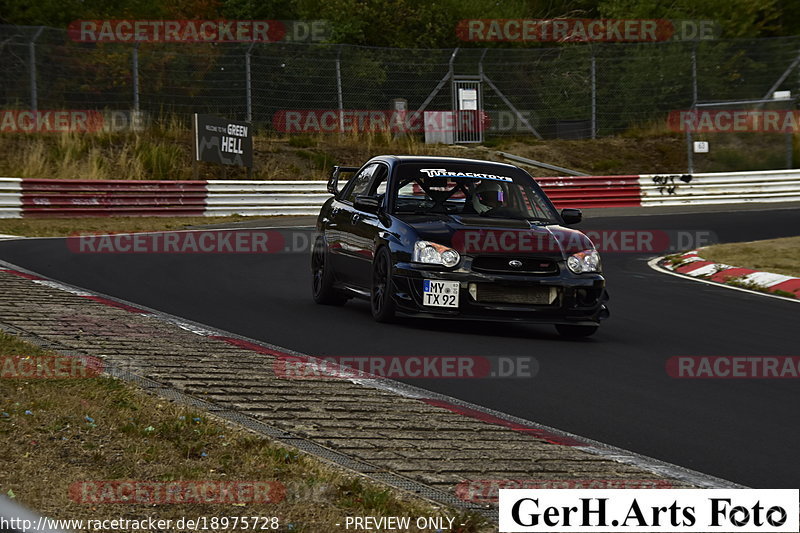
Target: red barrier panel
point(584, 181)
point(108, 201)
point(592, 191)
point(29, 184)
point(172, 211)
point(85, 198)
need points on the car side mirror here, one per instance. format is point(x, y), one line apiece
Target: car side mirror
point(571, 216)
point(370, 204)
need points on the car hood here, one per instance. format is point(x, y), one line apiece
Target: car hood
point(474, 235)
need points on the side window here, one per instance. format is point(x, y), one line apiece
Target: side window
point(361, 182)
point(378, 187)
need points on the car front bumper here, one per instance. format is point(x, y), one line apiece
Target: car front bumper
point(578, 299)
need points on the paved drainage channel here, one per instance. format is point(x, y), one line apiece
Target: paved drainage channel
point(370, 471)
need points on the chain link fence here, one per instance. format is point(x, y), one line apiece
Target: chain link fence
point(567, 91)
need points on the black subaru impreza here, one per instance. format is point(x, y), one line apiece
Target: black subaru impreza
point(442, 237)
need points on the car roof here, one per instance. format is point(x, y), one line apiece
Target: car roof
point(437, 159)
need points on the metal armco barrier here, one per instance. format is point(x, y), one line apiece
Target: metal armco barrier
point(592, 191)
point(720, 188)
point(226, 197)
point(80, 198)
point(10, 198)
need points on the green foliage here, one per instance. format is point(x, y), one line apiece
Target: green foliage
point(416, 23)
point(59, 13)
point(158, 159)
point(737, 18)
point(785, 294)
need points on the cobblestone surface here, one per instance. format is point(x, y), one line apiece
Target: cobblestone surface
point(392, 433)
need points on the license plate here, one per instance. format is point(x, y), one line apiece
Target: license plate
point(437, 293)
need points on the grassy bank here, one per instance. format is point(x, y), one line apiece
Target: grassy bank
point(781, 256)
point(164, 151)
point(57, 432)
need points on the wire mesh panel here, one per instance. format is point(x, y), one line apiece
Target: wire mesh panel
point(741, 134)
point(640, 84)
point(573, 90)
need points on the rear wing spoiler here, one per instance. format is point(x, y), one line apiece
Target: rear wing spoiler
point(333, 181)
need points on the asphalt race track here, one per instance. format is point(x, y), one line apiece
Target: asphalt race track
point(612, 387)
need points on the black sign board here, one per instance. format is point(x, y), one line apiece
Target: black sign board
point(227, 142)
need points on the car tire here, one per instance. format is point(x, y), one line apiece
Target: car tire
point(572, 331)
point(381, 300)
point(322, 277)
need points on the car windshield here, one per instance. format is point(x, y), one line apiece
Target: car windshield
point(466, 189)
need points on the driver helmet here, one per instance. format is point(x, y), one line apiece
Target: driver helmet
point(488, 195)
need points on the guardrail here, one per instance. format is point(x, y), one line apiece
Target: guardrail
point(227, 197)
point(79, 198)
point(63, 198)
point(10, 198)
point(592, 191)
point(720, 188)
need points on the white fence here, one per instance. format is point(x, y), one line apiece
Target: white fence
point(10, 197)
point(265, 197)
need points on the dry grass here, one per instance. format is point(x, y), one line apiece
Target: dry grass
point(58, 432)
point(94, 156)
point(781, 256)
point(164, 151)
point(61, 227)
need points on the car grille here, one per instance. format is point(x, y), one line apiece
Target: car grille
point(530, 265)
point(535, 295)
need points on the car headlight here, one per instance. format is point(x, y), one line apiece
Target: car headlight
point(585, 261)
point(434, 254)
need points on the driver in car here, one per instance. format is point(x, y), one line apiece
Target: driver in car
point(488, 195)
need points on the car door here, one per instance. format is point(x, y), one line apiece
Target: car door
point(342, 240)
point(364, 227)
